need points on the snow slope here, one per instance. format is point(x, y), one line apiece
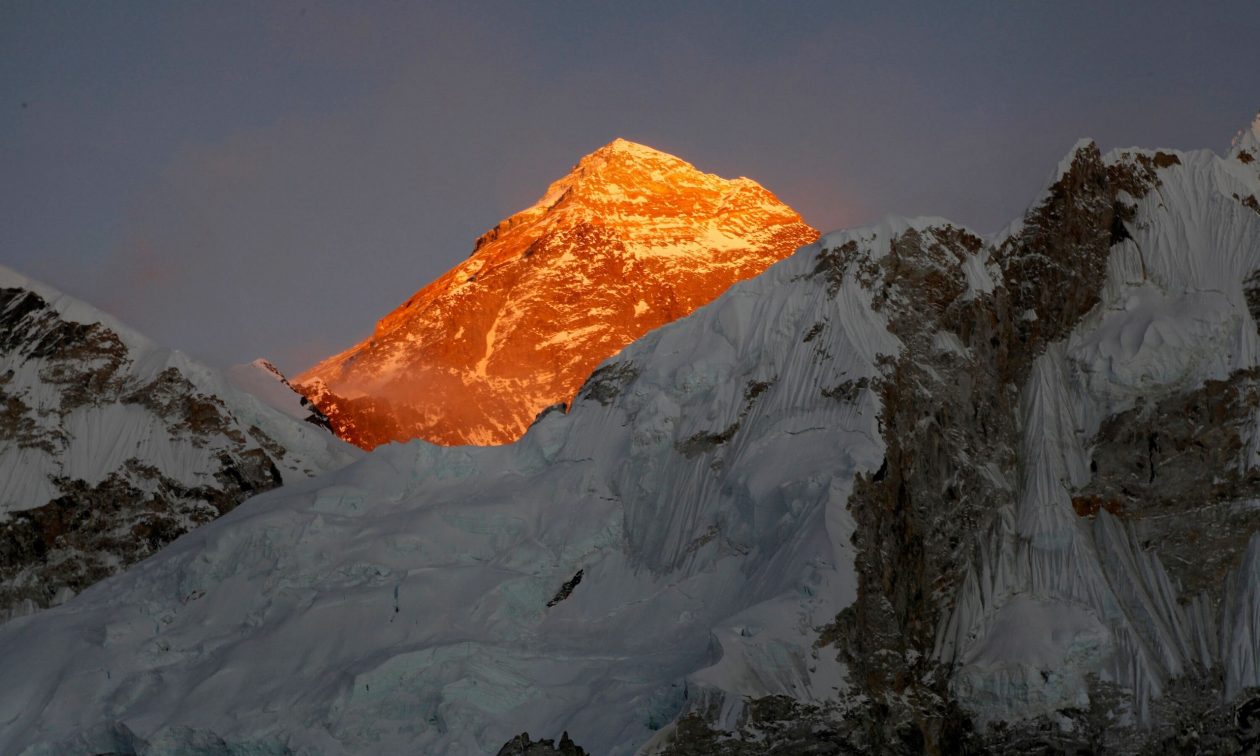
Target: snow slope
point(698, 484)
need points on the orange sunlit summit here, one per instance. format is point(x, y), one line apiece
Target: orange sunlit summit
point(630, 239)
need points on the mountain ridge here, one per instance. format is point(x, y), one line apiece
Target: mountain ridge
point(909, 490)
point(111, 446)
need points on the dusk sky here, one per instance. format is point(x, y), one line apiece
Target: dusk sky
point(241, 179)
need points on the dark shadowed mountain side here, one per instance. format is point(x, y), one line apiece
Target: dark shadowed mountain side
point(111, 447)
point(629, 240)
point(911, 490)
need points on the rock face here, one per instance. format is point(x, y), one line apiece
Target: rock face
point(523, 745)
point(629, 240)
point(912, 490)
point(110, 448)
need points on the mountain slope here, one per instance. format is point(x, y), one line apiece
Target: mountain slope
point(911, 490)
point(630, 239)
point(111, 447)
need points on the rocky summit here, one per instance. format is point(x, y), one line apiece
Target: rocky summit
point(630, 239)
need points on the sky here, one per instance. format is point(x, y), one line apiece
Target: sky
point(242, 180)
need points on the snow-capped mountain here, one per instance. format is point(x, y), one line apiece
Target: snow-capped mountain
point(910, 490)
point(630, 239)
point(111, 447)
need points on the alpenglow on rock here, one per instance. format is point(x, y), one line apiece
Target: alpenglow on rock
point(111, 447)
point(630, 239)
point(912, 490)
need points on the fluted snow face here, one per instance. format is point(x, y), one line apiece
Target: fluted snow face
point(630, 239)
point(1174, 316)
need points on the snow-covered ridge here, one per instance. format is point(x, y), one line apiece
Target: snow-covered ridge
point(1247, 140)
point(101, 423)
point(698, 483)
point(264, 380)
point(75, 310)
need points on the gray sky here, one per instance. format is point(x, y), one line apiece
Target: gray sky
point(244, 180)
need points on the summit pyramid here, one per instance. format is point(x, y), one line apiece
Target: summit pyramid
point(630, 239)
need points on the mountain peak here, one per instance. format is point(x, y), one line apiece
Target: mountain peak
point(1246, 145)
point(620, 146)
point(626, 241)
point(631, 182)
point(622, 153)
point(624, 170)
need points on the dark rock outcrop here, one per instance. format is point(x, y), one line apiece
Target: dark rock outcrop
point(523, 745)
